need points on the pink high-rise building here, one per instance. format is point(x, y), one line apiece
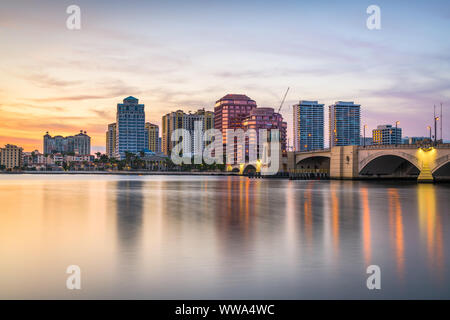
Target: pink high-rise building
point(230, 111)
point(266, 118)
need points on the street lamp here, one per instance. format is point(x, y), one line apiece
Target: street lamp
point(435, 128)
point(429, 128)
point(396, 132)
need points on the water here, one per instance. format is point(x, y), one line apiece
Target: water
point(165, 237)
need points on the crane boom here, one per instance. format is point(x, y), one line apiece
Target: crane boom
point(282, 101)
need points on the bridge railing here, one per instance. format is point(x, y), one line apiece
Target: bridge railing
point(309, 171)
point(313, 151)
point(401, 146)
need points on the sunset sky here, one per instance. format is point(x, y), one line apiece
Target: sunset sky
point(187, 54)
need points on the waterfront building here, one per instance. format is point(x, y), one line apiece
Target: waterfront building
point(195, 123)
point(76, 144)
point(416, 140)
point(308, 124)
point(230, 111)
point(34, 158)
point(11, 156)
point(130, 127)
point(152, 137)
point(266, 118)
point(111, 140)
point(345, 123)
point(368, 141)
point(387, 134)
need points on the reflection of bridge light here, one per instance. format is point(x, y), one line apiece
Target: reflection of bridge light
point(395, 210)
point(430, 226)
point(366, 225)
point(335, 213)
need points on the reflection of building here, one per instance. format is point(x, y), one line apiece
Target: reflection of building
point(130, 129)
point(77, 144)
point(129, 210)
point(11, 156)
point(230, 111)
point(344, 124)
point(111, 140)
point(195, 123)
point(266, 118)
point(308, 126)
point(386, 134)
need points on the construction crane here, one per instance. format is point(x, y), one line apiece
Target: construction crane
point(282, 101)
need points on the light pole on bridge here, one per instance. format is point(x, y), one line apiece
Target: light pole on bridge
point(364, 137)
point(396, 132)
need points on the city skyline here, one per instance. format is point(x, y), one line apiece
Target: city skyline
point(178, 57)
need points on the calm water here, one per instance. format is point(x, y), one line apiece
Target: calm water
point(162, 237)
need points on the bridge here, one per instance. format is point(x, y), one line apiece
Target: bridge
point(382, 161)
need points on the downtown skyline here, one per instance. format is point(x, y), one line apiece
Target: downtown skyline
point(58, 80)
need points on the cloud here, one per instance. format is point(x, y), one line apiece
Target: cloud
point(45, 80)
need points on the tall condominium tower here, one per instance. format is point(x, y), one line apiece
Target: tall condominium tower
point(111, 140)
point(230, 111)
point(266, 118)
point(344, 124)
point(195, 123)
point(130, 129)
point(308, 126)
point(152, 137)
point(386, 134)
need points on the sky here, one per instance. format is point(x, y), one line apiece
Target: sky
point(187, 54)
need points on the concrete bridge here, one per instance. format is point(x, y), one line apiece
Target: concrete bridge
point(384, 161)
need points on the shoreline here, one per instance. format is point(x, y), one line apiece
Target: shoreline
point(138, 173)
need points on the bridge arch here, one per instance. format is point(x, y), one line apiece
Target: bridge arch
point(313, 162)
point(385, 163)
point(442, 167)
point(249, 169)
point(441, 162)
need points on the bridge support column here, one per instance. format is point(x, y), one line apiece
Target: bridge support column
point(344, 162)
point(425, 175)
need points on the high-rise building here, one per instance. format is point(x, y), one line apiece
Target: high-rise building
point(230, 111)
point(266, 118)
point(308, 126)
point(170, 122)
point(152, 137)
point(11, 156)
point(111, 140)
point(386, 134)
point(76, 144)
point(195, 123)
point(344, 124)
point(130, 128)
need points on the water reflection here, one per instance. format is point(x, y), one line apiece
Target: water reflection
point(129, 211)
point(222, 237)
point(430, 227)
point(396, 228)
point(366, 226)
